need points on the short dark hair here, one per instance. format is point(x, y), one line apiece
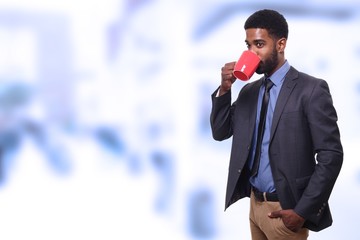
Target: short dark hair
point(271, 20)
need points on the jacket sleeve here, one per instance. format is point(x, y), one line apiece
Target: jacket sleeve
point(221, 116)
point(322, 120)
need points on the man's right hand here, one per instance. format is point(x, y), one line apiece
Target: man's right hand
point(227, 77)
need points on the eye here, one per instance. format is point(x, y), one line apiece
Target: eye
point(259, 44)
point(247, 46)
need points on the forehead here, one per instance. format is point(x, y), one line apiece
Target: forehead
point(257, 34)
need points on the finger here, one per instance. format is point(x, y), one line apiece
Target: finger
point(227, 71)
point(229, 66)
point(275, 214)
point(228, 77)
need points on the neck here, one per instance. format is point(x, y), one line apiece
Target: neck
point(280, 63)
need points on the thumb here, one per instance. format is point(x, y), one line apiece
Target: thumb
point(276, 214)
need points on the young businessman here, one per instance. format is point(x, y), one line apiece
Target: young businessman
point(289, 163)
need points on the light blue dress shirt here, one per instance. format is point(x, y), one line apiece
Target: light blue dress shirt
point(264, 181)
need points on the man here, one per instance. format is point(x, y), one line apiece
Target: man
point(300, 153)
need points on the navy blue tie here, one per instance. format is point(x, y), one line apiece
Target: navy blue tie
point(261, 126)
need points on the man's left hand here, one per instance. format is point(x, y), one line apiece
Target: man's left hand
point(291, 219)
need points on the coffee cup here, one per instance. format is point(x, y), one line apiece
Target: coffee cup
point(246, 65)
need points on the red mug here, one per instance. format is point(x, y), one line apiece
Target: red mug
point(246, 65)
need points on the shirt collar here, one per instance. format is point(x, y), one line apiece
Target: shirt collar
point(278, 77)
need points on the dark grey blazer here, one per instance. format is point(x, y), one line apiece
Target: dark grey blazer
point(305, 150)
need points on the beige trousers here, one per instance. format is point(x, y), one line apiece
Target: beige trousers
point(264, 228)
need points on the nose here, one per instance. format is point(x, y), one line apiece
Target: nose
point(252, 49)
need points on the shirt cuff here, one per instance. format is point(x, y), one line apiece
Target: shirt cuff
point(218, 93)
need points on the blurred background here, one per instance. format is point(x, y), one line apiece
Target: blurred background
point(104, 114)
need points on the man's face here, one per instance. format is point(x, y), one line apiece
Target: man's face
point(259, 42)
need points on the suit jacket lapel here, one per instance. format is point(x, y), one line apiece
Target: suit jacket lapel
point(286, 90)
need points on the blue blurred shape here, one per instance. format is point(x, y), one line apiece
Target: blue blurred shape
point(9, 143)
point(13, 94)
point(201, 214)
point(162, 162)
point(109, 139)
point(58, 159)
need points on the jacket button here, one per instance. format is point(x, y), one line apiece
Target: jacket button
point(239, 170)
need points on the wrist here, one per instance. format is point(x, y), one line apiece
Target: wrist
point(223, 90)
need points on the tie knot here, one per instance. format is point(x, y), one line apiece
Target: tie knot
point(268, 84)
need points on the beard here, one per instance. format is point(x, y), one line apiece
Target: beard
point(268, 65)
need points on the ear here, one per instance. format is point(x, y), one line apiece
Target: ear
point(281, 44)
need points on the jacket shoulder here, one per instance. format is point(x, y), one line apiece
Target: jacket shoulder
point(295, 74)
